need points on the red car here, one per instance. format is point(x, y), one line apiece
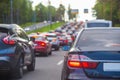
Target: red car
point(42, 46)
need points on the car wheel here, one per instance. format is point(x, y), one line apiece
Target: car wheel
point(62, 76)
point(18, 71)
point(57, 48)
point(31, 67)
point(46, 54)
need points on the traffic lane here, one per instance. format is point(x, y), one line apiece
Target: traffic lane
point(47, 68)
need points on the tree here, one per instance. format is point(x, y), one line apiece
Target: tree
point(61, 12)
point(108, 9)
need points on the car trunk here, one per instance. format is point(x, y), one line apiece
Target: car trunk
point(108, 64)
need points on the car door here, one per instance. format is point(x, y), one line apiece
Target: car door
point(26, 44)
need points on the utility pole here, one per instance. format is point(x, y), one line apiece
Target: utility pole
point(11, 11)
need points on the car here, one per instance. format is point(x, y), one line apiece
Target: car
point(16, 51)
point(42, 46)
point(93, 56)
point(63, 40)
point(54, 40)
point(98, 23)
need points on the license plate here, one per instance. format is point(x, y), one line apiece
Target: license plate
point(111, 67)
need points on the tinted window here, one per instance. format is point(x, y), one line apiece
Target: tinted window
point(99, 39)
point(98, 25)
point(22, 34)
point(40, 38)
point(3, 32)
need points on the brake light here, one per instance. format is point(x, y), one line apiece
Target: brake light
point(75, 62)
point(41, 43)
point(6, 40)
point(54, 40)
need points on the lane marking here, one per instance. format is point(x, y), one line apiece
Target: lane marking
point(60, 62)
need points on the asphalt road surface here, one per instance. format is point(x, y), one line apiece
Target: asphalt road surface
point(47, 68)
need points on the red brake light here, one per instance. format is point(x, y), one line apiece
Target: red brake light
point(90, 65)
point(74, 61)
point(54, 40)
point(41, 43)
point(6, 40)
point(74, 64)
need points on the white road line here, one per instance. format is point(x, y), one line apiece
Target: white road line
point(60, 62)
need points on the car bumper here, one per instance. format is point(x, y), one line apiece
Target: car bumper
point(80, 75)
point(55, 46)
point(40, 50)
point(7, 64)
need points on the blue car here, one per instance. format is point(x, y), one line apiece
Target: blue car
point(16, 51)
point(95, 55)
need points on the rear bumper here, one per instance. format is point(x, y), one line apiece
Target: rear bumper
point(40, 50)
point(55, 46)
point(78, 74)
point(7, 64)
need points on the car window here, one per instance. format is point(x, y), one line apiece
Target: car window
point(98, 24)
point(99, 39)
point(22, 34)
point(39, 38)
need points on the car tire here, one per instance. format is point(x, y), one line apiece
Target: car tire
point(57, 48)
point(31, 67)
point(18, 71)
point(46, 54)
point(50, 53)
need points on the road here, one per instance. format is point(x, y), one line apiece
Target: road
point(47, 68)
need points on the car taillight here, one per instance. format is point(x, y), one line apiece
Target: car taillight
point(6, 40)
point(76, 61)
point(41, 43)
point(74, 64)
point(89, 65)
point(54, 40)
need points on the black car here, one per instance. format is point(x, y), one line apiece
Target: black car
point(16, 51)
point(95, 55)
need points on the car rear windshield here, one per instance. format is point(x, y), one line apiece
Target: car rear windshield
point(99, 40)
point(3, 32)
point(98, 25)
point(51, 35)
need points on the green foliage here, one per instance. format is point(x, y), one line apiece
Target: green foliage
point(27, 24)
point(23, 12)
point(108, 9)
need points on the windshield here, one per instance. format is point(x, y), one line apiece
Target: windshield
point(98, 25)
point(90, 40)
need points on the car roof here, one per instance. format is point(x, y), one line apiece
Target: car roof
point(9, 26)
point(98, 28)
point(98, 20)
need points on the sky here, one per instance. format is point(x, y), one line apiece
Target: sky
point(75, 4)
